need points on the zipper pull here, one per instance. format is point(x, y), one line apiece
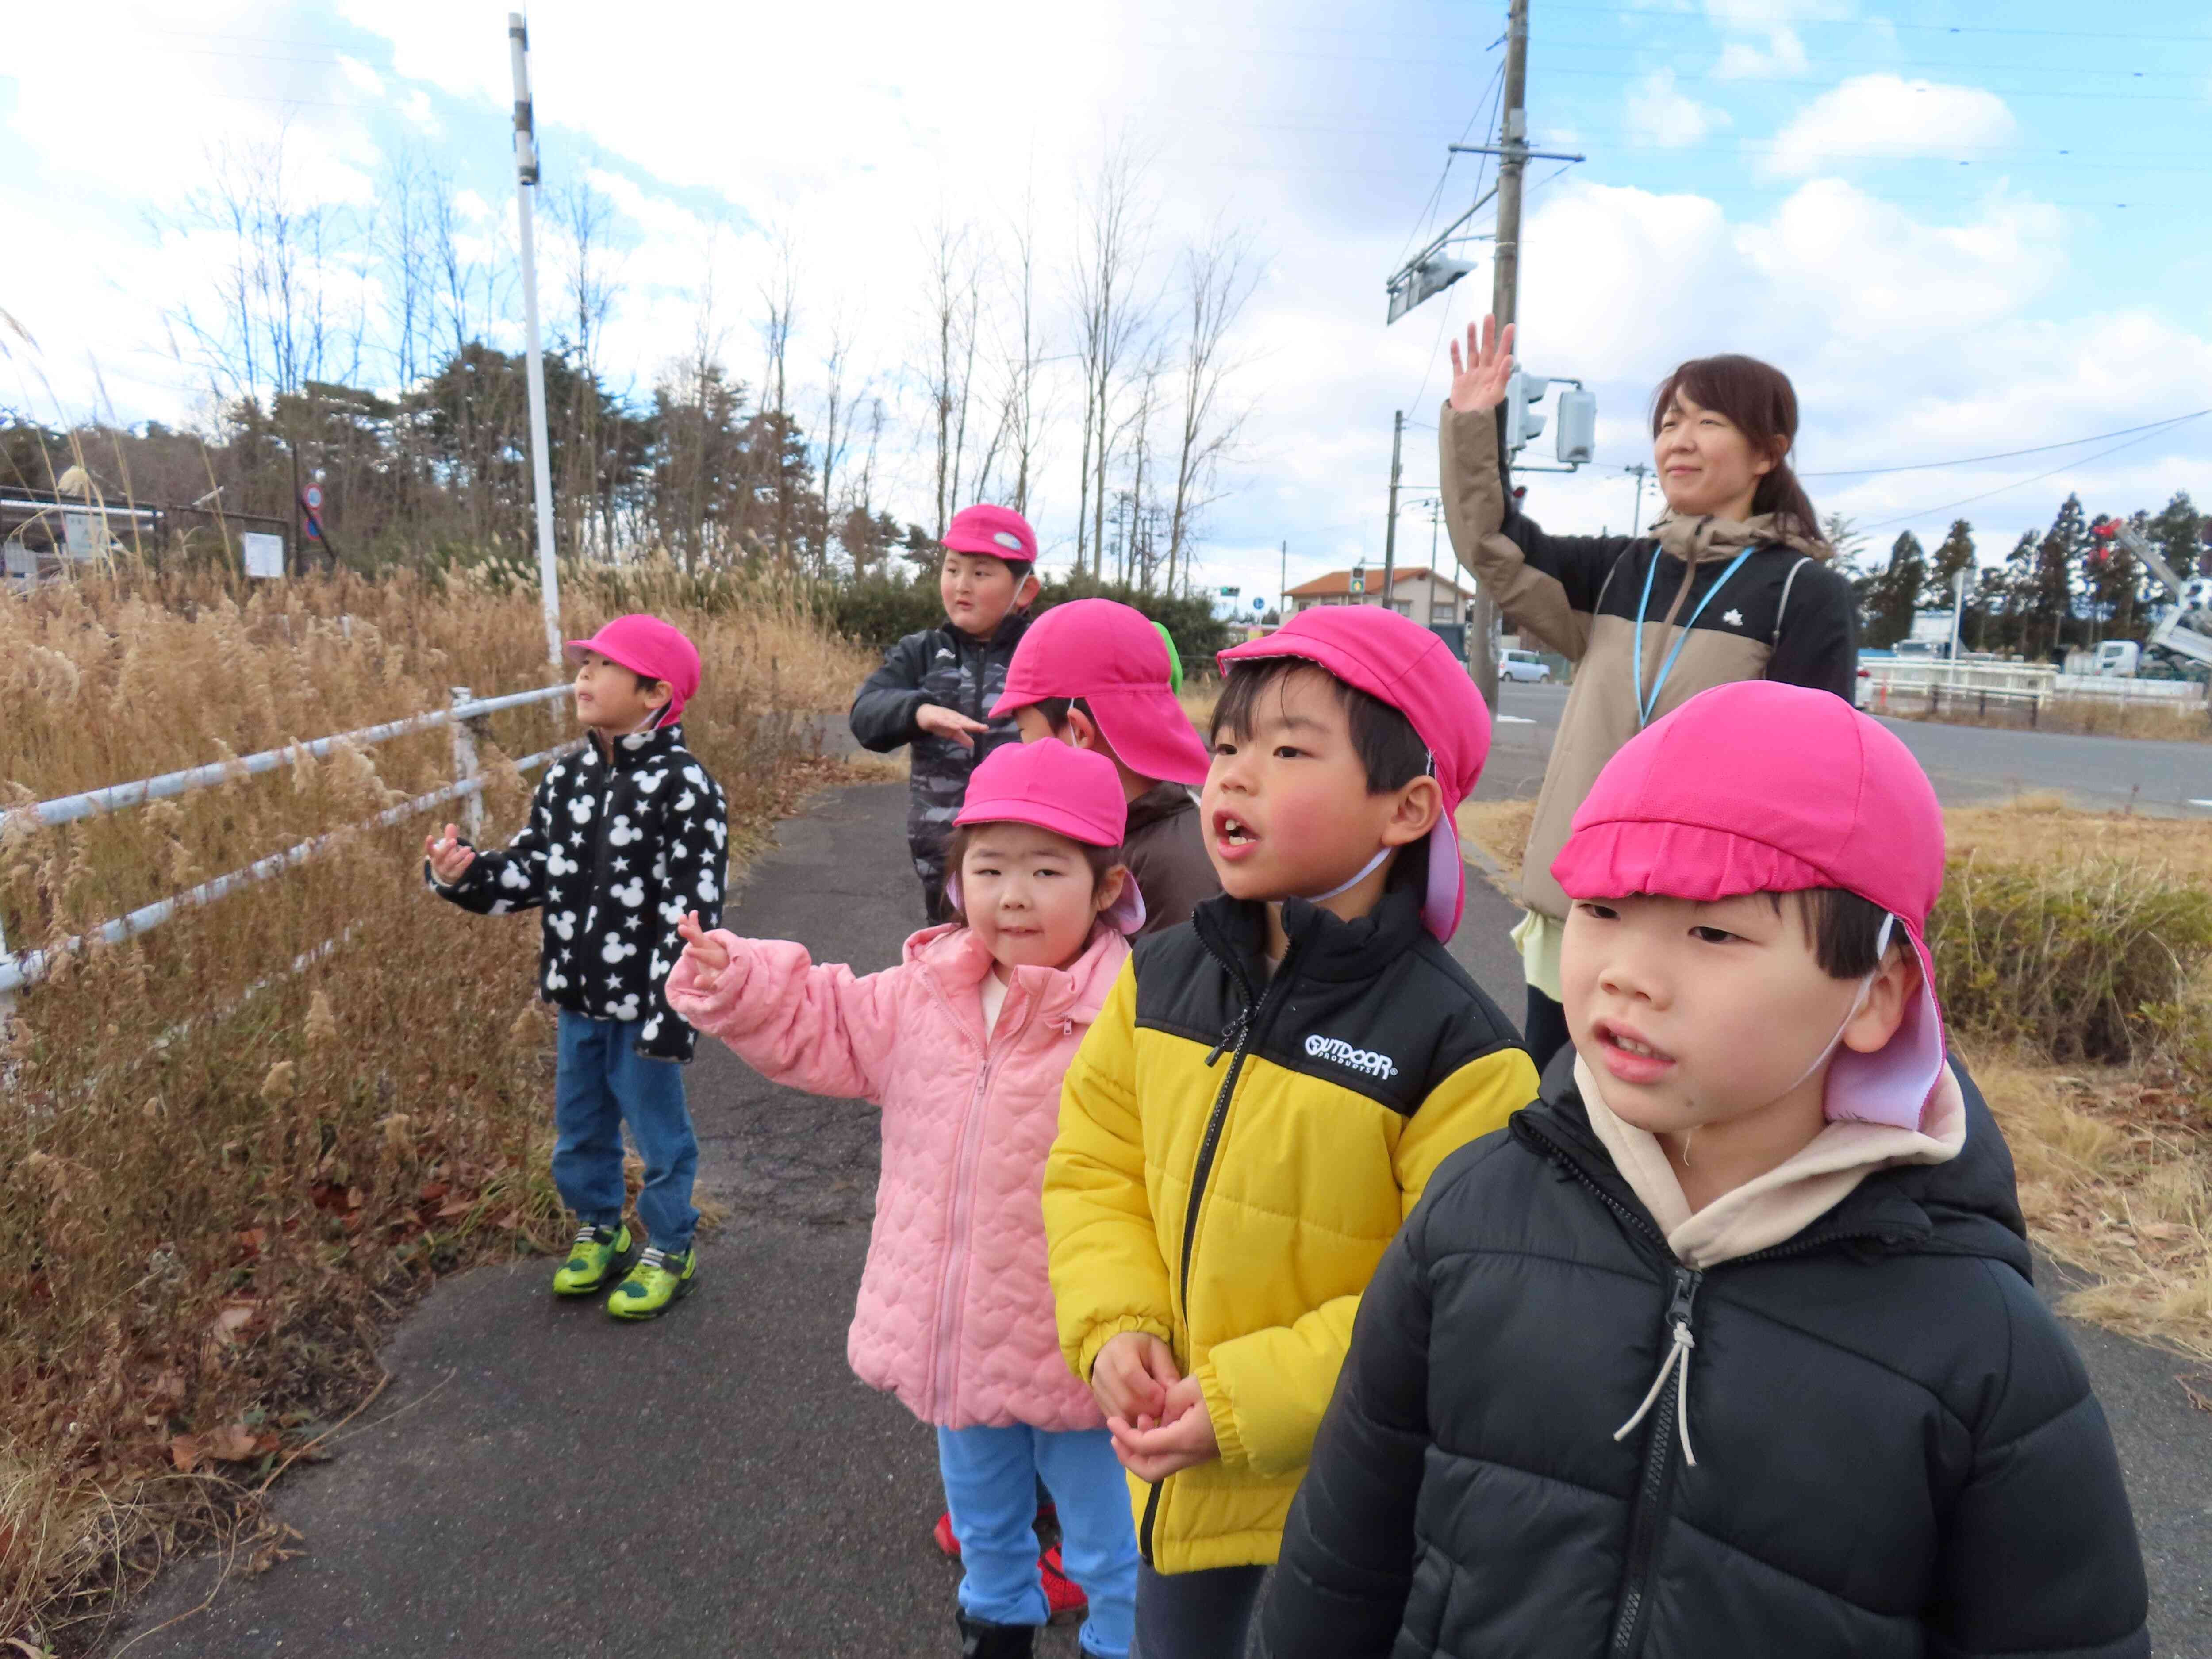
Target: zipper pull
point(1686, 1281)
point(1230, 1037)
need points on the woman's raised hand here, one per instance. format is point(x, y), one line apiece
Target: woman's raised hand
point(1479, 378)
point(707, 956)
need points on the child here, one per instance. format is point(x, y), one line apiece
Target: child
point(934, 686)
point(964, 1045)
point(622, 839)
point(1786, 1391)
point(1266, 1094)
point(1099, 676)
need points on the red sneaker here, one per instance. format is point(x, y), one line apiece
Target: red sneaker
point(943, 1533)
point(1062, 1595)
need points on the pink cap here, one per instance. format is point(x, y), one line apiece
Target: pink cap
point(1071, 792)
point(1114, 659)
point(646, 645)
point(1396, 660)
point(1761, 788)
point(998, 530)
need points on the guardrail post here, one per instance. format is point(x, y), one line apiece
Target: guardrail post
point(464, 764)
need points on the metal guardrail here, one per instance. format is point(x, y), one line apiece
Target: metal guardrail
point(28, 967)
point(2039, 678)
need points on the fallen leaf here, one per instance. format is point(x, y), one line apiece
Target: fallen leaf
point(431, 1191)
point(254, 1238)
point(232, 1443)
point(459, 1205)
point(231, 1321)
point(169, 1385)
point(184, 1453)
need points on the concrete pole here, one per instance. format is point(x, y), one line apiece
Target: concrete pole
point(1505, 286)
point(1390, 529)
point(541, 466)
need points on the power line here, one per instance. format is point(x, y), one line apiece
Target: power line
point(2005, 455)
point(2018, 484)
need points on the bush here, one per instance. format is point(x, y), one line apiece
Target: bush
point(877, 611)
point(2086, 958)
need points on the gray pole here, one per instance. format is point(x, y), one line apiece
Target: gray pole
point(1636, 517)
point(1283, 594)
point(1512, 141)
point(525, 182)
point(1390, 530)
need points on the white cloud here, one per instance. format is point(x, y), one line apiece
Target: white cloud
point(416, 107)
point(366, 79)
point(1883, 116)
point(1659, 113)
point(1784, 54)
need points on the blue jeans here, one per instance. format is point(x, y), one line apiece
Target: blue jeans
point(602, 1084)
point(1207, 1615)
point(990, 1487)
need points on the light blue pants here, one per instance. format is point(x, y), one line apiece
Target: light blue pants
point(603, 1083)
point(990, 1488)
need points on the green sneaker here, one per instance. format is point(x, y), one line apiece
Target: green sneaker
point(599, 1253)
point(657, 1284)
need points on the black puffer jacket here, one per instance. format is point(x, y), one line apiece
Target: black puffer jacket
point(1897, 1449)
point(952, 670)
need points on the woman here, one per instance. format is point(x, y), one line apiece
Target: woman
point(1735, 584)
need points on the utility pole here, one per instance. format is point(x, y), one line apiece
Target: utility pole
point(1390, 530)
point(1642, 470)
point(525, 184)
point(1505, 288)
point(1283, 592)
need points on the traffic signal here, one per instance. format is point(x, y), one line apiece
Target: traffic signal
point(1577, 435)
point(1523, 419)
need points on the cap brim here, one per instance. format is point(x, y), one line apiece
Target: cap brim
point(1893, 1085)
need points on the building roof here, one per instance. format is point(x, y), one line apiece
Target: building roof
point(1340, 581)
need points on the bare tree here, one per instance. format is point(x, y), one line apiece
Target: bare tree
point(590, 275)
point(1219, 277)
point(1112, 319)
point(952, 301)
point(779, 296)
point(835, 438)
point(1025, 415)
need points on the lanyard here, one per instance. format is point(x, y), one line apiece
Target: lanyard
point(1646, 706)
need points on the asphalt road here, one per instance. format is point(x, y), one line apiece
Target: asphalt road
point(1968, 764)
point(539, 1479)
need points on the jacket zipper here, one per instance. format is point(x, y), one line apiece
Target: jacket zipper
point(1244, 1026)
point(1658, 1475)
point(1644, 1518)
point(965, 1151)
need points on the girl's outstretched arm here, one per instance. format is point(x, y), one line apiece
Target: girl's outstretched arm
point(824, 1028)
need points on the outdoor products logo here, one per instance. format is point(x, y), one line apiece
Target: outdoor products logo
point(1355, 1060)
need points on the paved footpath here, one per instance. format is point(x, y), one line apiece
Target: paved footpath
point(539, 1479)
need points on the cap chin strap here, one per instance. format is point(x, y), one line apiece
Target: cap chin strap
point(1428, 770)
point(1858, 1002)
point(1365, 871)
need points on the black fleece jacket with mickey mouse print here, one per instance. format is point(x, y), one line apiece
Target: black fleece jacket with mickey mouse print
point(622, 839)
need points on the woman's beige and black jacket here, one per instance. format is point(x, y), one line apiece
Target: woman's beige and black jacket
point(1785, 614)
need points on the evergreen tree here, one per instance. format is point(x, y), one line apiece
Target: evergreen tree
point(1893, 598)
point(2059, 558)
point(2178, 533)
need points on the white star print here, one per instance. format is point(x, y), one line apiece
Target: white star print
point(1733, 618)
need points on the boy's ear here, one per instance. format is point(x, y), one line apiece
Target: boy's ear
point(1414, 813)
point(1026, 591)
point(1895, 983)
point(1083, 731)
point(659, 694)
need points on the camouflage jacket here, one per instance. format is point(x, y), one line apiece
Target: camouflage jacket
point(953, 669)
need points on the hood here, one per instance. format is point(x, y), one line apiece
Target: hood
point(1707, 538)
point(953, 957)
point(1967, 1204)
point(1155, 805)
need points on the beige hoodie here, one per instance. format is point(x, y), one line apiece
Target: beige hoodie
point(1789, 1198)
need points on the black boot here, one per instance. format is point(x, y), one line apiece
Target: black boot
point(981, 1641)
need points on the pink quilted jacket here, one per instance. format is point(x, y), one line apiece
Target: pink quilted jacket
point(955, 1313)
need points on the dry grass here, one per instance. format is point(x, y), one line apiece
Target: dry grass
point(213, 1188)
point(2095, 717)
point(2115, 1161)
point(1199, 694)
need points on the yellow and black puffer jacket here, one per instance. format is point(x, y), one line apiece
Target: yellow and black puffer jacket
point(1235, 1152)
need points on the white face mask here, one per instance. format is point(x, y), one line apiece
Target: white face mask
point(1859, 1003)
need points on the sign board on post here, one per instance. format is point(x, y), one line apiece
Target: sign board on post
point(264, 554)
point(81, 534)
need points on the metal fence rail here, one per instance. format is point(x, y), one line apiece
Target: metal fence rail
point(28, 967)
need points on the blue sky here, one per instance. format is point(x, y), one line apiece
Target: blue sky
point(1962, 228)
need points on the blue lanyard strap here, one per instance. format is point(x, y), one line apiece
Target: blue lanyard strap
point(1646, 706)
